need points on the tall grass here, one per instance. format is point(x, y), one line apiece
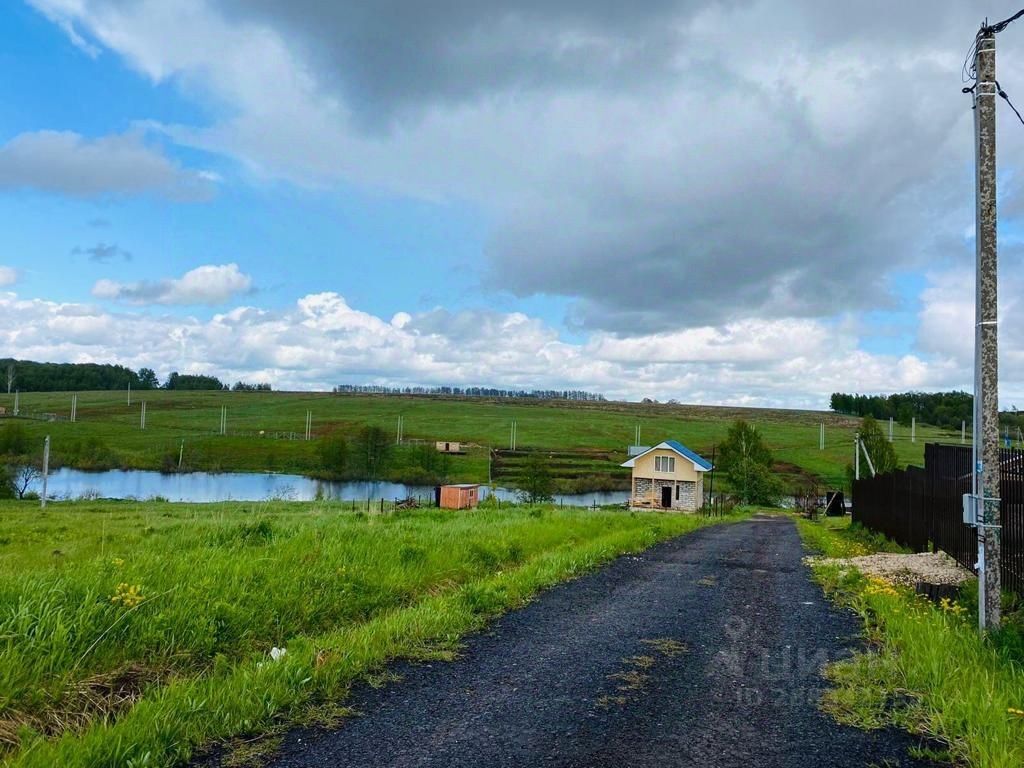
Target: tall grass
point(926, 668)
point(152, 636)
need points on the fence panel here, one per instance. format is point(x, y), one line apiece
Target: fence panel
point(919, 507)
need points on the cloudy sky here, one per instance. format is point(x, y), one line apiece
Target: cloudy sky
point(721, 202)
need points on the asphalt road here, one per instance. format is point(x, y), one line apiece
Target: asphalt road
point(703, 651)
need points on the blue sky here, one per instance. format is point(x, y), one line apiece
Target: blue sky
point(384, 253)
point(502, 195)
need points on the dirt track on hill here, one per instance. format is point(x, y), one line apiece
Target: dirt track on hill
point(702, 651)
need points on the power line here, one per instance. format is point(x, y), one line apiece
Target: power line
point(1000, 26)
point(970, 73)
point(1007, 99)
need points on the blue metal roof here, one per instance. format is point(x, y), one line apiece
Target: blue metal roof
point(695, 458)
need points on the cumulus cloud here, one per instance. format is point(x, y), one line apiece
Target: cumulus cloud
point(321, 341)
point(676, 164)
point(68, 163)
point(103, 253)
point(8, 276)
point(209, 284)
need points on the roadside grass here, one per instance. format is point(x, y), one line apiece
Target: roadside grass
point(837, 537)
point(132, 634)
point(107, 432)
point(925, 668)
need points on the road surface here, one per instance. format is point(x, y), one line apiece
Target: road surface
point(703, 651)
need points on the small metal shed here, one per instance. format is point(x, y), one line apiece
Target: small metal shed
point(463, 496)
point(448, 446)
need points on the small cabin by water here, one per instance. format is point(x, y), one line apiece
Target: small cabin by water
point(668, 476)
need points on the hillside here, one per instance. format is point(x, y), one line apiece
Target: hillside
point(265, 432)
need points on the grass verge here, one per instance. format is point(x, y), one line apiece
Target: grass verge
point(132, 634)
point(925, 667)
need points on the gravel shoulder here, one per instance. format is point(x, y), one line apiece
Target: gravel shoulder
point(907, 570)
point(703, 651)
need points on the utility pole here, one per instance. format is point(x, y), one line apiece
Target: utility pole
point(74, 408)
point(309, 425)
point(821, 437)
point(142, 417)
point(46, 470)
point(963, 432)
point(129, 393)
point(856, 456)
point(890, 429)
point(913, 429)
point(17, 410)
point(986, 393)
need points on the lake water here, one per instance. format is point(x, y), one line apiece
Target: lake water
point(257, 486)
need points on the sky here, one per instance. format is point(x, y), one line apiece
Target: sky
point(724, 202)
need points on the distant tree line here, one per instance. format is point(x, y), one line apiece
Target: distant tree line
point(942, 409)
point(30, 376)
point(241, 386)
point(540, 394)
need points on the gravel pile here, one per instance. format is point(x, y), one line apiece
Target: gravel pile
point(908, 570)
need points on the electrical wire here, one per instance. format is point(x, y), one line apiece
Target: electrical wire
point(969, 73)
point(1007, 99)
point(1000, 26)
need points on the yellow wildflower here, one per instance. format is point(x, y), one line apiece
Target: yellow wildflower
point(1016, 712)
point(128, 595)
point(117, 562)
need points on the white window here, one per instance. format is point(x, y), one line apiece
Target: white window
point(665, 464)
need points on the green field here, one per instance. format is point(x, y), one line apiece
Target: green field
point(130, 633)
point(597, 432)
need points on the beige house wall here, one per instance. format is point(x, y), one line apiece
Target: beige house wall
point(647, 483)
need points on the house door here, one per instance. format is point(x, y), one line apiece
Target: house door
point(666, 496)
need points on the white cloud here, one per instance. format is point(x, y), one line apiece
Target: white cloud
point(8, 276)
point(682, 164)
point(209, 284)
point(321, 341)
point(67, 163)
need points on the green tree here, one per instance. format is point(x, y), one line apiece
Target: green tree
point(881, 451)
point(14, 440)
point(371, 452)
point(747, 464)
point(333, 450)
point(148, 379)
point(536, 485)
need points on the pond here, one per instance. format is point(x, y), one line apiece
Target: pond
point(258, 486)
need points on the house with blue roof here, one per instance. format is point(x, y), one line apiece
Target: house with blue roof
point(668, 476)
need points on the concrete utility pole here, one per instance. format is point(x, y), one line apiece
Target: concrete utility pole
point(17, 410)
point(856, 456)
point(986, 393)
point(913, 429)
point(142, 417)
point(821, 437)
point(890, 429)
point(963, 432)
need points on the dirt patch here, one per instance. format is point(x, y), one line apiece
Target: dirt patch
point(906, 570)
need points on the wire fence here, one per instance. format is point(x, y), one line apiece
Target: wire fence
point(922, 508)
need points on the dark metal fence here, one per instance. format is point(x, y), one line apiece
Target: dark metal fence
point(923, 508)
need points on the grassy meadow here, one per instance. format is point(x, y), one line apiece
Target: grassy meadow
point(107, 432)
point(925, 668)
point(132, 634)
